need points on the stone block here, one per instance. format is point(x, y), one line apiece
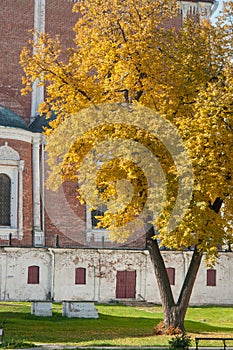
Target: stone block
point(81, 309)
point(41, 308)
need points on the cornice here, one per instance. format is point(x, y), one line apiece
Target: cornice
point(18, 134)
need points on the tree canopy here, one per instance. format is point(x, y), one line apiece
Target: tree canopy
point(131, 76)
point(130, 54)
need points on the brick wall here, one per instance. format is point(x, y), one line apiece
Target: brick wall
point(16, 18)
point(60, 20)
point(65, 218)
point(24, 150)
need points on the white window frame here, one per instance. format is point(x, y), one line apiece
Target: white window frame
point(97, 234)
point(12, 166)
point(12, 173)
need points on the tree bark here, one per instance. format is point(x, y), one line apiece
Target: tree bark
point(174, 313)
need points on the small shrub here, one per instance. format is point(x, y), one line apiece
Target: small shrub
point(180, 342)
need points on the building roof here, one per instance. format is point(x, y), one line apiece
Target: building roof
point(40, 123)
point(11, 119)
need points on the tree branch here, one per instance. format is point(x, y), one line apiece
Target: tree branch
point(216, 206)
point(122, 31)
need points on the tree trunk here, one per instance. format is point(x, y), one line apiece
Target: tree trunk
point(174, 313)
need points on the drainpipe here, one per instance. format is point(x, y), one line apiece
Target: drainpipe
point(99, 279)
point(94, 287)
point(145, 289)
point(52, 272)
point(5, 284)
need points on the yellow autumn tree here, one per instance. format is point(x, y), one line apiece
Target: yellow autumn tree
point(144, 125)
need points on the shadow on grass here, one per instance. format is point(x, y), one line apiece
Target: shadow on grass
point(204, 327)
point(62, 330)
point(57, 329)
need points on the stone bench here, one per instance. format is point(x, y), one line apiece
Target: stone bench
point(214, 338)
point(70, 308)
point(81, 309)
point(41, 308)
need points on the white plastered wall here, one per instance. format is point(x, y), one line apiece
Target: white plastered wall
point(57, 275)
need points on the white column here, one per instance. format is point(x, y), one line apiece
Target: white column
point(203, 8)
point(39, 26)
point(38, 235)
point(43, 141)
point(20, 201)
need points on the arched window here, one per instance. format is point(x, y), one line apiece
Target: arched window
point(5, 200)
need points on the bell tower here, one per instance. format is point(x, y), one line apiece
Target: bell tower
point(200, 8)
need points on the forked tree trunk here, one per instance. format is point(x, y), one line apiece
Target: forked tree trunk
point(174, 313)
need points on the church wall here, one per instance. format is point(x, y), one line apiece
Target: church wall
point(222, 293)
point(14, 264)
point(60, 20)
point(64, 274)
point(65, 218)
point(25, 153)
point(57, 275)
point(16, 21)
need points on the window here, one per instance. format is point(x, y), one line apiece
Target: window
point(171, 275)
point(80, 275)
point(94, 214)
point(5, 200)
point(97, 234)
point(33, 274)
point(11, 193)
point(211, 277)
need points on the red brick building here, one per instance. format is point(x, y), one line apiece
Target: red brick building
point(30, 215)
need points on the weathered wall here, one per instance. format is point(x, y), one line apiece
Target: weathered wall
point(57, 275)
point(14, 263)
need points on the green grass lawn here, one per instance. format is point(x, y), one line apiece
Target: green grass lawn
point(117, 325)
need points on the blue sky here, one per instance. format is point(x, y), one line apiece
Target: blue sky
point(218, 9)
